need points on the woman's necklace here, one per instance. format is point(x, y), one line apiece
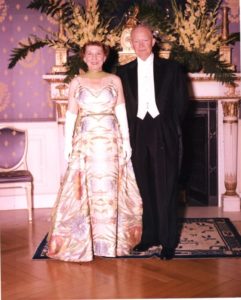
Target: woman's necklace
point(95, 74)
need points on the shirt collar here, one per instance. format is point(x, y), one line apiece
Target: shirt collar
point(146, 62)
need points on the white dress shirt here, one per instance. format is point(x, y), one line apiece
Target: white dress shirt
point(146, 90)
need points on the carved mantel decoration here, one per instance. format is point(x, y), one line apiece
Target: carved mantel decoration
point(127, 53)
point(230, 111)
point(61, 53)
point(225, 51)
point(60, 60)
point(59, 94)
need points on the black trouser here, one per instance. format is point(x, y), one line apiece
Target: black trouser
point(158, 191)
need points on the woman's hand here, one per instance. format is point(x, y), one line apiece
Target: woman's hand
point(127, 150)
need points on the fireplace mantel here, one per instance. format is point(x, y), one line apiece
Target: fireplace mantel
point(204, 88)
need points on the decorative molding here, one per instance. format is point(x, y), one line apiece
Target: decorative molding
point(60, 60)
point(54, 77)
point(230, 109)
point(213, 98)
point(58, 94)
point(125, 40)
point(202, 87)
point(165, 54)
point(226, 55)
point(206, 77)
point(126, 57)
point(230, 121)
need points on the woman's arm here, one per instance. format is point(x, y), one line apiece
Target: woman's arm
point(120, 112)
point(70, 118)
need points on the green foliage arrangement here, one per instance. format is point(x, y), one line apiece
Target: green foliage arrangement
point(190, 32)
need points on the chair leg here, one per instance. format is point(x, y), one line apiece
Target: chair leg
point(29, 201)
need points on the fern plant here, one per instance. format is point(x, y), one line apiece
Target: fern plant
point(48, 7)
point(21, 52)
point(208, 63)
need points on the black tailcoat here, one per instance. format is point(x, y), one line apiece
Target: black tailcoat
point(156, 147)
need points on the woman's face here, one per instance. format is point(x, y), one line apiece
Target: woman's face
point(94, 57)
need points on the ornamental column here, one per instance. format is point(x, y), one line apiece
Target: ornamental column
point(230, 199)
point(59, 91)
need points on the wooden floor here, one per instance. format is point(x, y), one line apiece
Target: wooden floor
point(24, 278)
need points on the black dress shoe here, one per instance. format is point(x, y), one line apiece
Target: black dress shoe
point(167, 253)
point(141, 247)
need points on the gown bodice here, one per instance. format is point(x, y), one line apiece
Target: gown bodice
point(96, 101)
point(96, 109)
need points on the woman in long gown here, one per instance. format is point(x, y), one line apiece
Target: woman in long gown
point(98, 211)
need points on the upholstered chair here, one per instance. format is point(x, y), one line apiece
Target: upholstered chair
point(14, 172)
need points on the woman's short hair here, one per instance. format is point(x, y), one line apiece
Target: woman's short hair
point(105, 48)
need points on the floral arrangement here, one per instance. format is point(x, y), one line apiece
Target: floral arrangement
point(87, 26)
point(195, 28)
point(77, 26)
point(195, 39)
point(191, 33)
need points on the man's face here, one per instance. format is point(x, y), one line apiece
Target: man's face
point(142, 42)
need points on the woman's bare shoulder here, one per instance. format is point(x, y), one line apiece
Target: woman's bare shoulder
point(115, 79)
point(78, 80)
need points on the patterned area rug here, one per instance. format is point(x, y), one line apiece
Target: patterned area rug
point(199, 238)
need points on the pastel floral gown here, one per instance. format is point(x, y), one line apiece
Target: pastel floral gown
point(98, 211)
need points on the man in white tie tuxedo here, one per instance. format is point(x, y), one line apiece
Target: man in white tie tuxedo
point(156, 98)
